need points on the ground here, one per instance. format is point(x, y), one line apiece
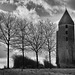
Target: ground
point(37, 72)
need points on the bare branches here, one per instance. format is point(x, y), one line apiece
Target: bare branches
point(49, 30)
point(6, 28)
point(3, 34)
point(35, 38)
point(20, 34)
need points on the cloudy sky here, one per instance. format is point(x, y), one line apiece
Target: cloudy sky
point(35, 10)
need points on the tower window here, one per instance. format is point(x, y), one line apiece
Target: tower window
point(66, 38)
point(66, 32)
point(66, 26)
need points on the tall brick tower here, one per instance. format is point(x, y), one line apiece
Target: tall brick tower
point(65, 41)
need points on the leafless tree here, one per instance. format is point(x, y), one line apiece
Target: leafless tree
point(49, 29)
point(19, 42)
point(36, 38)
point(7, 23)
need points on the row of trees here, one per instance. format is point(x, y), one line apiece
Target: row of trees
point(21, 34)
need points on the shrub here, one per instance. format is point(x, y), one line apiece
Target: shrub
point(48, 65)
point(28, 63)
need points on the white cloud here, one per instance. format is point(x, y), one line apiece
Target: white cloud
point(23, 12)
point(2, 50)
point(3, 62)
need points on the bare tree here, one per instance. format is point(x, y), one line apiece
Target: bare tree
point(7, 23)
point(36, 38)
point(49, 29)
point(19, 41)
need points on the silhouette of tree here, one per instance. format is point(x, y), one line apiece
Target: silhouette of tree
point(36, 38)
point(19, 41)
point(7, 24)
point(49, 29)
point(48, 65)
point(28, 63)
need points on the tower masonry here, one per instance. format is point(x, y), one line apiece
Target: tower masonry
point(65, 52)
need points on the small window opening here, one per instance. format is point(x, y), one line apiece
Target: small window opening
point(66, 26)
point(66, 32)
point(66, 38)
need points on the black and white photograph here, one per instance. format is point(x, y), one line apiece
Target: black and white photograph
point(37, 37)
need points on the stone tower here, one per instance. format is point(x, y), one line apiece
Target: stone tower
point(65, 41)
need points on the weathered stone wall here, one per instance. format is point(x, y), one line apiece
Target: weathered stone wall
point(65, 49)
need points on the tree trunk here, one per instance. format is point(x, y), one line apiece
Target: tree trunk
point(23, 58)
point(8, 40)
point(8, 55)
point(23, 48)
point(49, 59)
point(37, 65)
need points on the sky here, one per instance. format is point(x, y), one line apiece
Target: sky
point(34, 10)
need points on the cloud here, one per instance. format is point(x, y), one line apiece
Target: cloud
point(52, 2)
point(45, 8)
point(71, 4)
point(67, 3)
point(23, 12)
point(40, 10)
point(62, 3)
point(34, 9)
point(2, 50)
point(8, 7)
point(3, 62)
point(57, 8)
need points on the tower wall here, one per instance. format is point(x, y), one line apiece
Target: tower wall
point(74, 45)
point(65, 43)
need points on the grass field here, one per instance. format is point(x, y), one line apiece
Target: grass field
point(37, 72)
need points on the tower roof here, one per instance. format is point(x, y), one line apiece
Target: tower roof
point(66, 19)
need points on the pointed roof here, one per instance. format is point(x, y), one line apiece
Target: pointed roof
point(66, 19)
